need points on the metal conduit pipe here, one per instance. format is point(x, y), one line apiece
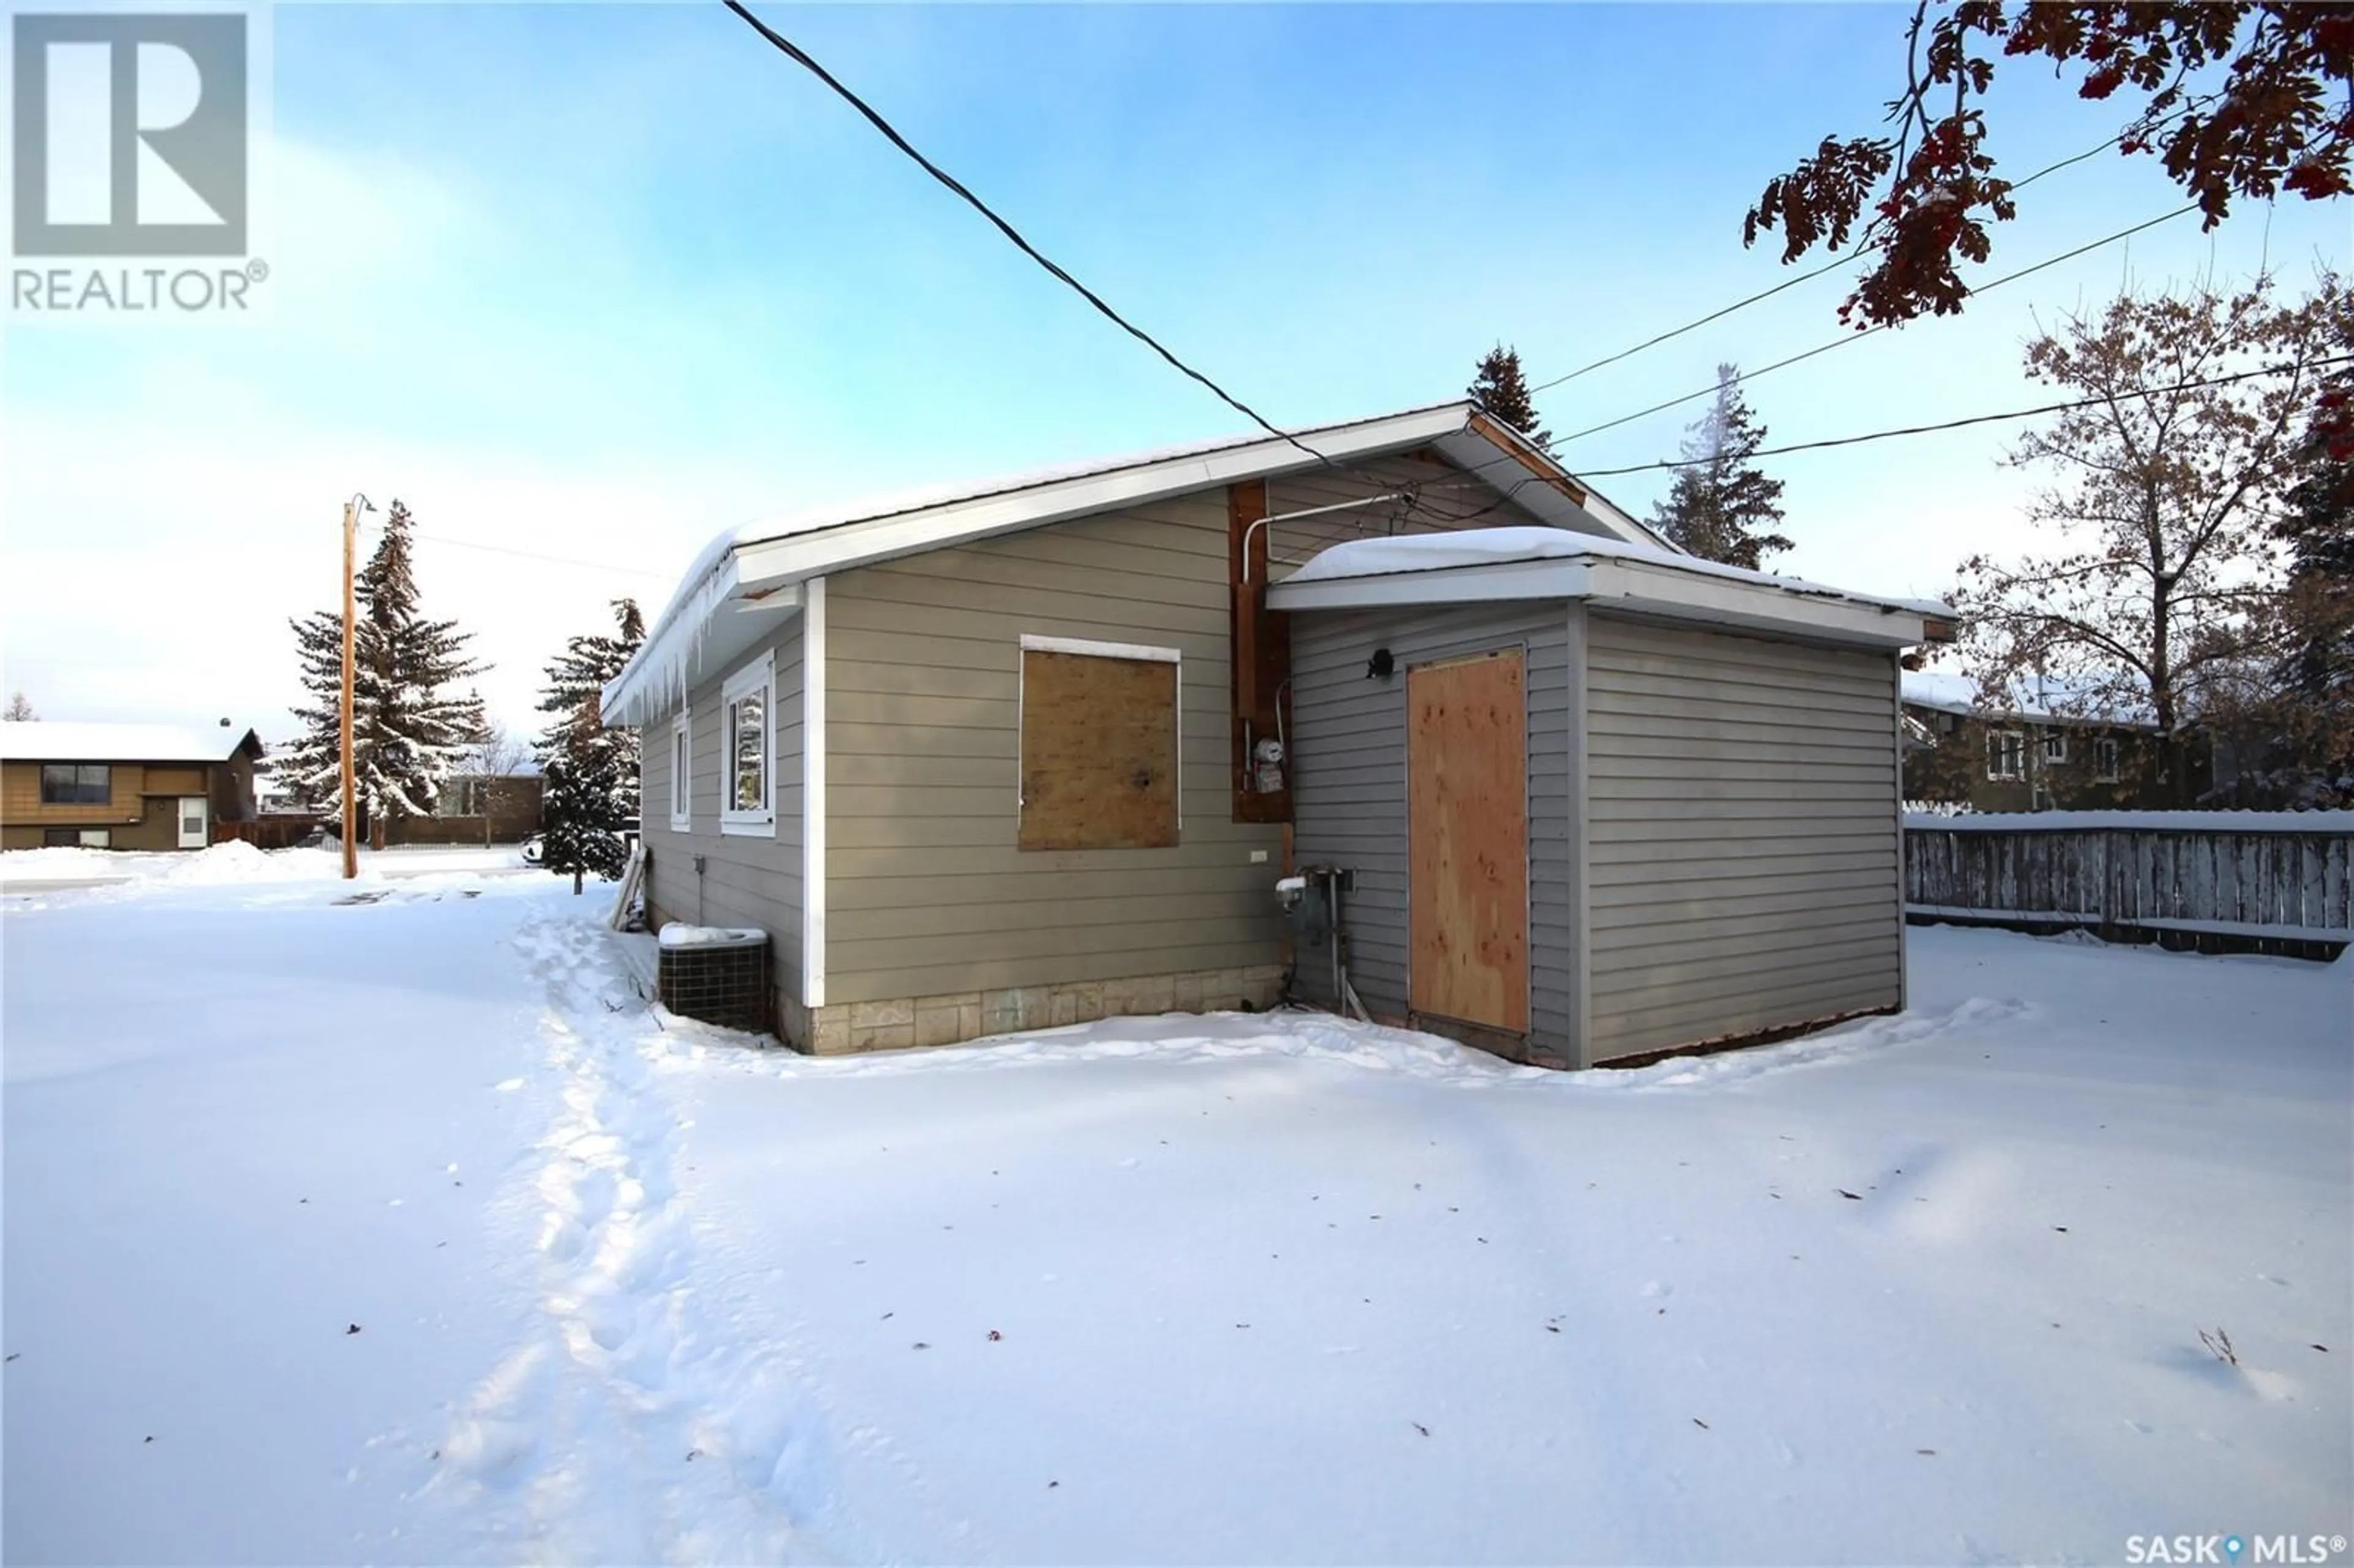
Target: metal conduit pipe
point(1312, 511)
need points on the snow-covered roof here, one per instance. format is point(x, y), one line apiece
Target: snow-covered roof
point(761, 563)
point(2028, 697)
point(41, 740)
point(1493, 563)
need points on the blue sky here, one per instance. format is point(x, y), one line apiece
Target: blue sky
point(596, 282)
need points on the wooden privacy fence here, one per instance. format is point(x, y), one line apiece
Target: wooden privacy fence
point(2272, 882)
point(269, 832)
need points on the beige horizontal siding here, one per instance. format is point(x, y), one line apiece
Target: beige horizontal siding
point(1743, 835)
point(745, 880)
point(927, 893)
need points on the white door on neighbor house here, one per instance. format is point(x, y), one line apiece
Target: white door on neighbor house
point(196, 824)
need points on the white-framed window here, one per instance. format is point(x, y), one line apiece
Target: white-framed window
point(1100, 726)
point(2105, 759)
point(682, 771)
point(2055, 745)
point(2006, 753)
point(747, 749)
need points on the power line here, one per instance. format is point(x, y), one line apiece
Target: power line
point(536, 556)
point(1831, 266)
point(1846, 338)
point(1694, 325)
point(1550, 447)
point(1977, 418)
point(802, 58)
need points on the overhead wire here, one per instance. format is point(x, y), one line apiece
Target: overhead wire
point(1847, 338)
point(1831, 266)
point(802, 57)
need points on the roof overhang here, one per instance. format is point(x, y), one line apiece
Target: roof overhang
point(1638, 587)
point(699, 632)
point(700, 648)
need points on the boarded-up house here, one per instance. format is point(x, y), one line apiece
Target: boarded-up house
point(1007, 755)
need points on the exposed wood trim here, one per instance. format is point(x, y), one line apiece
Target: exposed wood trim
point(1261, 644)
point(1515, 444)
point(813, 681)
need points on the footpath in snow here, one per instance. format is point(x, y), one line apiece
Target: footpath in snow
point(1271, 1288)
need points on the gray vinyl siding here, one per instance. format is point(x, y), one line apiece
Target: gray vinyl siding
point(1743, 835)
point(1348, 742)
point(745, 880)
point(926, 894)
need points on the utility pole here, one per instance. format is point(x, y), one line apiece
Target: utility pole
point(351, 509)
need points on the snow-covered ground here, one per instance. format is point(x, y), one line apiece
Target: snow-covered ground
point(69, 868)
point(400, 1230)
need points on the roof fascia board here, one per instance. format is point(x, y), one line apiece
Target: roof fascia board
point(1690, 596)
point(1567, 578)
point(1635, 586)
point(792, 557)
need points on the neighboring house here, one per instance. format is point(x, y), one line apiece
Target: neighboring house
point(1599, 801)
point(2031, 751)
point(1008, 755)
point(475, 809)
point(122, 786)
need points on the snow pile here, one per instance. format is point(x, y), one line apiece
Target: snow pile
point(1404, 553)
point(678, 933)
point(236, 861)
point(61, 862)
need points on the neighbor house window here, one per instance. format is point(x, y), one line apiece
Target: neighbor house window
point(86, 838)
point(2055, 745)
point(76, 783)
point(2006, 753)
point(2105, 759)
point(681, 770)
point(1099, 745)
point(747, 803)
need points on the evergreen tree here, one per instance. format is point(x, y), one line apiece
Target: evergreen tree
point(1501, 388)
point(1722, 506)
point(591, 796)
point(410, 726)
point(2312, 713)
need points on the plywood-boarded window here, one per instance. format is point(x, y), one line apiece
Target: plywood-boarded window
point(1099, 725)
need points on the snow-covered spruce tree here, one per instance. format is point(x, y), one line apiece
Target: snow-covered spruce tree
point(1501, 388)
point(1721, 506)
point(411, 725)
point(591, 795)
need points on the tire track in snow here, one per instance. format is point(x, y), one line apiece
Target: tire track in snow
point(624, 1430)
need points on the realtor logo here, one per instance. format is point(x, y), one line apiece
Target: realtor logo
point(130, 134)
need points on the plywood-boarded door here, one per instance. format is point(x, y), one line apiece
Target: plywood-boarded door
point(1467, 841)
